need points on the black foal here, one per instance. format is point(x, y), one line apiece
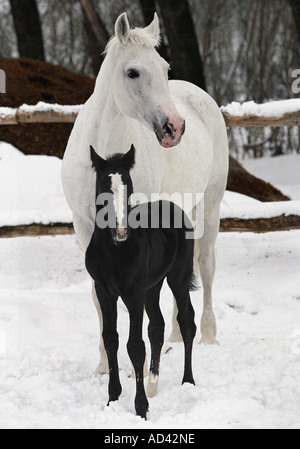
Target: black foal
point(131, 261)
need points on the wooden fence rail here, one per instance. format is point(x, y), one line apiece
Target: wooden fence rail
point(41, 113)
point(257, 225)
point(49, 113)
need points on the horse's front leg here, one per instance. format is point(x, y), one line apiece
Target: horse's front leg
point(136, 349)
point(108, 305)
point(103, 367)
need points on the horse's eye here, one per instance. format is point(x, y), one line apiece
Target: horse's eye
point(133, 74)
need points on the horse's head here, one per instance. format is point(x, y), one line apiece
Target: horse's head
point(140, 81)
point(113, 190)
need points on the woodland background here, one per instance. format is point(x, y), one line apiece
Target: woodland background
point(237, 50)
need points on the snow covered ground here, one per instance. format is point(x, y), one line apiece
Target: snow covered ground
point(49, 327)
point(49, 342)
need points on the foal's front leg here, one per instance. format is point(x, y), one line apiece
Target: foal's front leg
point(136, 349)
point(108, 305)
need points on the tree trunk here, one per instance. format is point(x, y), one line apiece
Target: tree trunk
point(295, 4)
point(96, 33)
point(28, 29)
point(186, 61)
point(149, 8)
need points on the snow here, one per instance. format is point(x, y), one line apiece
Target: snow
point(49, 326)
point(48, 107)
point(8, 151)
point(31, 190)
point(236, 205)
point(49, 342)
point(7, 112)
point(270, 109)
point(281, 171)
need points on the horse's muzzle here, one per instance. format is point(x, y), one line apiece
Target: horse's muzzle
point(171, 133)
point(120, 235)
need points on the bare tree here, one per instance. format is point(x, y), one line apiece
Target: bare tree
point(96, 33)
point(28, 29)
point(295, 4)
point(148, 9)
point(186, 61)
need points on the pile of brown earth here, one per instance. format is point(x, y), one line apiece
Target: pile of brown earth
point(29, 81)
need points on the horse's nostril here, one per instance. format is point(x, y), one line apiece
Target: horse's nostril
point(169, 129)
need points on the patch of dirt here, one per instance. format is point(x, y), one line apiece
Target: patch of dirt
point(29, 81)
point(241, 181)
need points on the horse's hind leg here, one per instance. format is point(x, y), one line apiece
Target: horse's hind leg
point(207, 262)
point(156, 330)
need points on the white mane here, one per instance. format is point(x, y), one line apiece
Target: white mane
point(138, 36)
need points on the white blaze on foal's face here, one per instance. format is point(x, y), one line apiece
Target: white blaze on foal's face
point(118, 190)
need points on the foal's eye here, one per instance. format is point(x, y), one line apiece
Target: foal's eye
point(133, 74)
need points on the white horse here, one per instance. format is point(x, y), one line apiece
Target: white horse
point(134, 103)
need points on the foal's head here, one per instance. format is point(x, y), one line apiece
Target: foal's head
point(113, 178)
point(140, 81)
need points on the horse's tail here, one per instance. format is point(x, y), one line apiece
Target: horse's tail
point(194, 284)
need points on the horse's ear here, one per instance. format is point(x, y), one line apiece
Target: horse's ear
point(122, 28)
point(128, 160)
point(97, 160)
point(154, 28)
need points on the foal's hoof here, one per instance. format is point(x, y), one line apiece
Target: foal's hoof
point(142, 411)
point(188, 380)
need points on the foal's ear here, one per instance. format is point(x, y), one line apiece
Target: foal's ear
point(154, 28)
point(97, 160)
point(128, 160)
point(122, 28)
